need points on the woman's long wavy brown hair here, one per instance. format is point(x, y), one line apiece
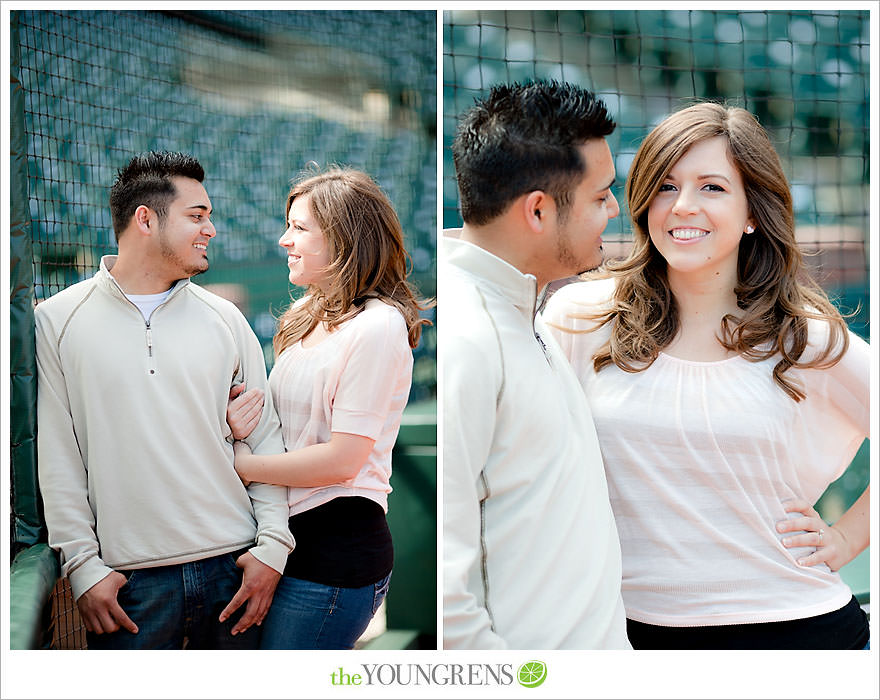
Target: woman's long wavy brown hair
point(367, 256)
point(775, 293)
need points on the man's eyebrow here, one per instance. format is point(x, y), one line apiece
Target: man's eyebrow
point(203, 207)
point(608, 186)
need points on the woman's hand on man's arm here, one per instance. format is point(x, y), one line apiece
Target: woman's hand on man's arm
point(244, 410)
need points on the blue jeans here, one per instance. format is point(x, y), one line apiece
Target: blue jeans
point(177, 602)
point(307, 615)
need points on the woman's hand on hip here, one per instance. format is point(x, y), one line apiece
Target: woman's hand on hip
point(831, 544)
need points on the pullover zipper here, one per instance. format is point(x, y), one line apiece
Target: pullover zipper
point(147, 328)
point(148, 332)
point(535, 307)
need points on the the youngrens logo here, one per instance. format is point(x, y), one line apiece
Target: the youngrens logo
point(531, 674)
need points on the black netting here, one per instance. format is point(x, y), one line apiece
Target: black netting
point(804, 74)
point(254, 96)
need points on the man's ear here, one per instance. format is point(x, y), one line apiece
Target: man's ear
point(538, 207)
point(145, 219)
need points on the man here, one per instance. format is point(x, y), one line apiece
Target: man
point(531, 553)
point(157, 534)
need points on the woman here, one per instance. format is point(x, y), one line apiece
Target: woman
point(727, 394)
point(340, 383)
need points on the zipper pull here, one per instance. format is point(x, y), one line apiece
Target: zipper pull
point(543, 347)
point(149, 340)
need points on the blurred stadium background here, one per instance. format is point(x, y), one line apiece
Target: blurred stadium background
point(255, 96)
point(805, 74)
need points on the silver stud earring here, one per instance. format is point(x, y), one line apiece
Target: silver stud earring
point(750, 229)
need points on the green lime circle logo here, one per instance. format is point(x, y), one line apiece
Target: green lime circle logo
point(532, 673)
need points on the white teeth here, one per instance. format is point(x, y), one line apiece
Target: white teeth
point(686, 234)
point(200, 246)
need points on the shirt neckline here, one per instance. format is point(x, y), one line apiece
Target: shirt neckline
point(699, 363)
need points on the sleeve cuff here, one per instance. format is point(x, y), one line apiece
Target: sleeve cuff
point(272, 553)
point(87, 575)
point(357, 423)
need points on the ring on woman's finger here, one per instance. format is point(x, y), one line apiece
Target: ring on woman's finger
point(821, 534)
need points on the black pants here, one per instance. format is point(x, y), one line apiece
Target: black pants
point(846, 628)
